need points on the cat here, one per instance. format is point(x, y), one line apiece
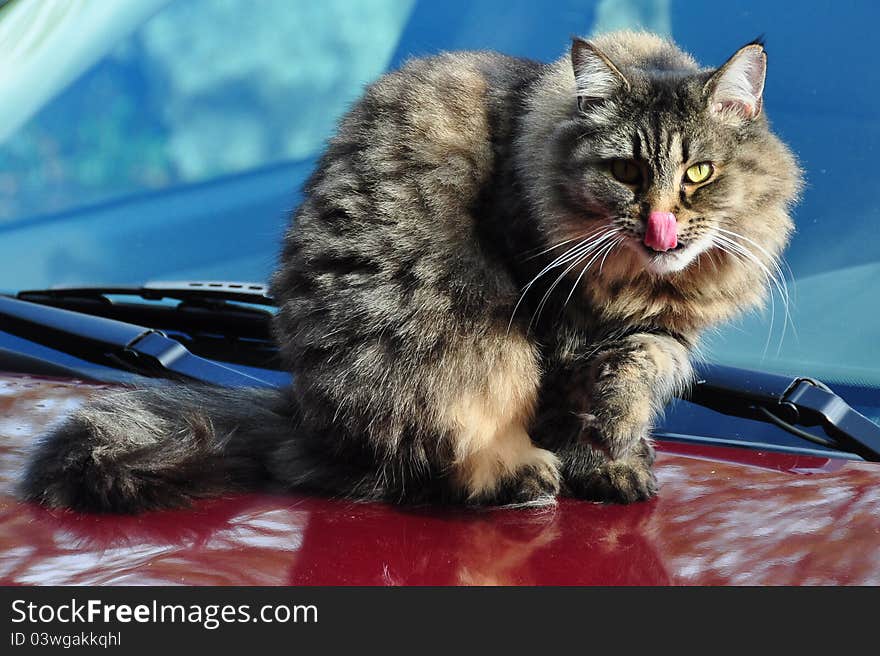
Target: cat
point(496, 280)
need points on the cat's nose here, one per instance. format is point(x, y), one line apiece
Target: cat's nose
point(662, 231)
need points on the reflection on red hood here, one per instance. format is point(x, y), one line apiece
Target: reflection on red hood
point(724, 516)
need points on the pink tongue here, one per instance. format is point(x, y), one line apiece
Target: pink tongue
point(662, 232)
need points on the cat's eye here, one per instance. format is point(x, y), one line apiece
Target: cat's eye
point(626, 171)
point(699, 173)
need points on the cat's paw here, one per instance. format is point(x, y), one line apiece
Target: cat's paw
point(616, 481)
point(533, 485)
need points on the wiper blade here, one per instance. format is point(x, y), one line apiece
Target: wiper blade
point(189, 290)
point(229, 321)
point(787, 402)
point(115, 343)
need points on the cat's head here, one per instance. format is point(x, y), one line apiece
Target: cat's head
point(652, 162)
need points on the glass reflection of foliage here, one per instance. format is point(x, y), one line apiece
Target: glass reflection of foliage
point(187, 98)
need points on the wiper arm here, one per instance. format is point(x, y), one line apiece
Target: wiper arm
point(788, 403)
point(119, 344)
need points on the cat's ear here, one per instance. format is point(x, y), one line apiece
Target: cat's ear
point(596, 77)
point(737, 88)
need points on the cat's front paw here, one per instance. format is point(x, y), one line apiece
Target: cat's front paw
point(616, 481)
point(533, 485)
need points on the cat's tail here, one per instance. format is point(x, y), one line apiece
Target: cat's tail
point(160, 447)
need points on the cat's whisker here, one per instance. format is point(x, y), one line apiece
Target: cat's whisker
point(582, 255)
point(736, 248)
point(585, 235)
point(773, 277)
point(714, 263)
point(740, 256)
point(537, 314)
point(617, 243)
point(772, 258)
point(580, 250)
point(605, 249)
point(559, 261)
point(570, 254)
point(552, 248)
point(775, 260)
point(739, 249)
point(722, 247)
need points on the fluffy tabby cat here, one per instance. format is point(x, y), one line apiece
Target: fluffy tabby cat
point(493, 285)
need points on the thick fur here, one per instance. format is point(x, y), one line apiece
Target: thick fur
point(422, 369)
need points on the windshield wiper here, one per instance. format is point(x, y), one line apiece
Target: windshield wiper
point(229, 321)
point(114, 343)
point(190, 290)
point(788, 402)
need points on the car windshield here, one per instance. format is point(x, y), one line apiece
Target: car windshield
point(155, 139)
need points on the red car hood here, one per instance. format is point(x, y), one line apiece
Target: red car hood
point(724, 516)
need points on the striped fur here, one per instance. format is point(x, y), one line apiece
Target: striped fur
point(422, 370)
